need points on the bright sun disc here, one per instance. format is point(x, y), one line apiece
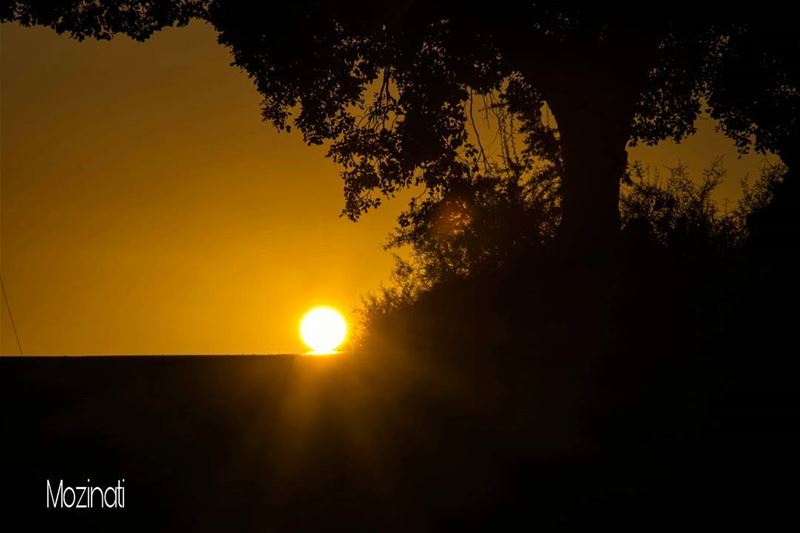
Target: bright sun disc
point(323, 329)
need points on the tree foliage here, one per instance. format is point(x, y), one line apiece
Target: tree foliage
point(388, 86)
point(675, 212)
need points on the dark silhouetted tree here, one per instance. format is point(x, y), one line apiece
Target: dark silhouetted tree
point(389, 85)
point(754, 93)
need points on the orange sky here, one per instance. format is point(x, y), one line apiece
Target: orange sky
point(145, 207)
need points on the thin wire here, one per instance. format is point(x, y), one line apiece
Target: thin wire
point(10, 315)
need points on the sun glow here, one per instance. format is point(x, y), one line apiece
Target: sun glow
point(323, 329)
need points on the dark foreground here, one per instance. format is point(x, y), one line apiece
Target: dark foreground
point(298, 443)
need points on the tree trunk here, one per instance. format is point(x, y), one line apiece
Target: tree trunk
point(594, 103)
point(592, 85)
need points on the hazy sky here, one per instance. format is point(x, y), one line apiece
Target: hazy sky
point(146, 208)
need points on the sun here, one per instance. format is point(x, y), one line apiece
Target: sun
point(323, 329)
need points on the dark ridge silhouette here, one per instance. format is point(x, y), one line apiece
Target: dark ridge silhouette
point(653, 384)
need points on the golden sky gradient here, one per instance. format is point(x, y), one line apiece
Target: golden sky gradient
point(146, 208)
